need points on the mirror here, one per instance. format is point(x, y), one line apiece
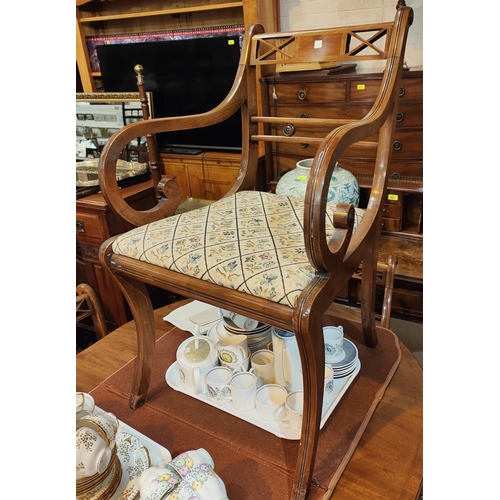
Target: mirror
point(98, 116)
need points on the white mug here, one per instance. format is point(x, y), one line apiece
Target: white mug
point(241, 390)
point(262, 362)
point(334, 343)
point(215, 380)
point(241, 366)
point(269, 399)
point(233, 349)
point(291, 413)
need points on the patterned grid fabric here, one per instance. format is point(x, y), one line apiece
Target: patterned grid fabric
point(251, 241)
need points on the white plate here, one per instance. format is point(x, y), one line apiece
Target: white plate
point(351, 354)
point(278, 428)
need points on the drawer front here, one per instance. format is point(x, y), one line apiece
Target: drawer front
point(367, 90)
point(409, 114)
point(332, 111)
point(305, 92)
point(389, 224)
point(88, 226)
point(393, 211)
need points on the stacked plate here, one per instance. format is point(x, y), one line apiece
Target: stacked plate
point(348, 364)
point(101, 486)
point(258, 338)
point(120, 481)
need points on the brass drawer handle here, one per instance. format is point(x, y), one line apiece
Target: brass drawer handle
point(400, 117)
point(402, 91)
point(302, 95)
point(397, 145)
point(80, 226)
point(303, 115)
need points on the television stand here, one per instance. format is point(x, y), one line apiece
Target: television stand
point(179, 150)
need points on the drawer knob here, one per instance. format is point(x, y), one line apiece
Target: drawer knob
point(402, 91)
point(400, 117)
point(80, 226)
point(288, 130)
point(302, 95)
point(303, 115)
point(397, 145)
point(304, 144)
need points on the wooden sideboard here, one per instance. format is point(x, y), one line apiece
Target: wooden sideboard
point(96, 222)
point(351, 94)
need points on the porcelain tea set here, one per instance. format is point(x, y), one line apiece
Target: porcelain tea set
point(189, 476)
point(221, 367)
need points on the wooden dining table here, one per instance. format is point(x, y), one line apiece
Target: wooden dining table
point(388, 461)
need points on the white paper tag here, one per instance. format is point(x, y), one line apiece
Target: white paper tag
point(318, 44)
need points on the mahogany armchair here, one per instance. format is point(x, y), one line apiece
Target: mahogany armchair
point(272, 258)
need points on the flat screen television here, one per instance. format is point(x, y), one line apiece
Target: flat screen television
point(185, 76)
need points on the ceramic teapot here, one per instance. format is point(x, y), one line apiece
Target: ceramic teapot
point(195, 357)
point(287, 365)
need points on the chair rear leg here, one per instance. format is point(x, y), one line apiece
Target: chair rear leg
point(368, 295)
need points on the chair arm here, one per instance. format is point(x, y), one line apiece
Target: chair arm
point(235, 100)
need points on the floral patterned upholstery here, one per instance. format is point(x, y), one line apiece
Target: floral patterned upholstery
point(251, 241)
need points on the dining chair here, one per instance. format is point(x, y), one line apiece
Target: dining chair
point(276, 259)
point(88, 305)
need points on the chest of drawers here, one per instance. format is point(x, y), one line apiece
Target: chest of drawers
point(351, 95)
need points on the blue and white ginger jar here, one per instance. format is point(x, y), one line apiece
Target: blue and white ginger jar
point(344, 187)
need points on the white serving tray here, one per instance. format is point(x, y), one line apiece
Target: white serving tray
point(158, 455)
point(278, 428)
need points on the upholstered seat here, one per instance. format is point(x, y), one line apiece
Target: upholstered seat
point(251, 242)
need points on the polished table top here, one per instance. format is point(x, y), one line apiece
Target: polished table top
point(388, 462)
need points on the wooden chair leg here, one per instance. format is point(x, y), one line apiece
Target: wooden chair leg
point(388, 282)
point(312, 352)
point(137, 297)
point(368, 295)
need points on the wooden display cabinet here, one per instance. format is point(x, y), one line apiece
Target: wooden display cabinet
point(209, 175)
point(111, 17)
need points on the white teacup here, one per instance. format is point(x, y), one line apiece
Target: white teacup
point(291, 413)
point(269, 399)
point(105, 424)
point(329, 380)
point(334, 343)
point(242, 366)
point(85, 404)
point(215, 380)
point(241, 390)
point(156, 482)
point(263, 363)
point(93, 453)
point(233, 349)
